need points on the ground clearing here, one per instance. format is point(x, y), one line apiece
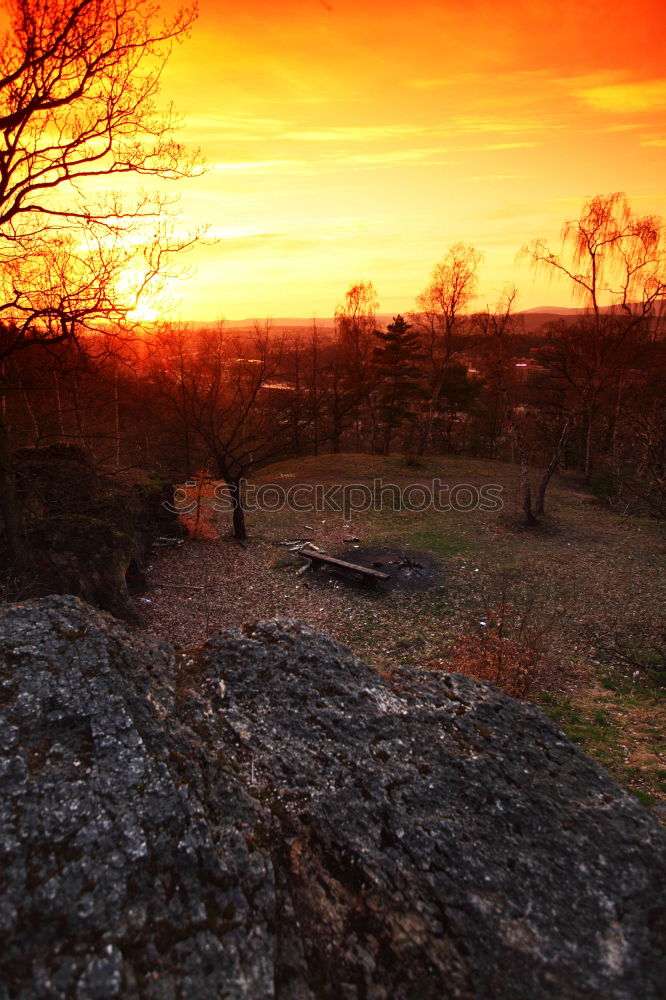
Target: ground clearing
point(583, 588)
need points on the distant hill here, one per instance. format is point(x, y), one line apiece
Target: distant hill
point(532, 319)
point(559, 310)
point(281, 322)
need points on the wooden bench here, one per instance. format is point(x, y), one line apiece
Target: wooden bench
point(321, 559)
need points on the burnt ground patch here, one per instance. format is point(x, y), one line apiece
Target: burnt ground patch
point(407, 569)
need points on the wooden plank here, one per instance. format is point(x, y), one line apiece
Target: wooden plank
point(375, 574)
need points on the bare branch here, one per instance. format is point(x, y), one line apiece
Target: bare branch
point(78, 89)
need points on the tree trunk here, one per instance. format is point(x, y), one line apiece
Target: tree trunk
point(433, 402)
point(524, 459)
point(386, 447)
point(78, 416)
point(526, 490)
point(238, 515)
point(33, 418)
point(588, 444)
point(61, 425)
point(525, 484)
point(9, 510)
point(554, 462)
point(314, 395)
point(116, 402)
point(615, 422)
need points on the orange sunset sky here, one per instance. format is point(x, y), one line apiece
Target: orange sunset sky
point(354, 141)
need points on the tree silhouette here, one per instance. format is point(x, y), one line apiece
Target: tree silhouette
point(355, 324)
point(396, 359)
point(78, 84)
point(451, 289)
point(223, 395)
point(616, 264)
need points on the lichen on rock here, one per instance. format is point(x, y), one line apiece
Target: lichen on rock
point(268, 817)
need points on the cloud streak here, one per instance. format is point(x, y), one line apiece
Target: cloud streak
point(625, 98)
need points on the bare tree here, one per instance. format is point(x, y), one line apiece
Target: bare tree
point(355, 325)
point(496, 326)
point(78, 88)
point(355, 321)
point(616, 264)
point(614, 259)
point(451, 289)
point(227, 395)
point(77, 108)
point(527, 425)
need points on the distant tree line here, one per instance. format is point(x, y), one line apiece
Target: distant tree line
point(586, 393)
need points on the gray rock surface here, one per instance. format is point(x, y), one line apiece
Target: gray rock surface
point(268, 817)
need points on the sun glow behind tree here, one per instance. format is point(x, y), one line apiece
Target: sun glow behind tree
point(78, 115)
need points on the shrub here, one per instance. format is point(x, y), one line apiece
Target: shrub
point(488, 654)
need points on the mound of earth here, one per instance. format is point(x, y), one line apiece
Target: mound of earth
point(266, 817)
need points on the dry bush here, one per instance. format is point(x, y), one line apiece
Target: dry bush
point(512, 640)
point(488, 654)
point(198, 525)
point(200, 522)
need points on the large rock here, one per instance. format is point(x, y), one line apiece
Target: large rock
point(268, 817)
point(89, 535)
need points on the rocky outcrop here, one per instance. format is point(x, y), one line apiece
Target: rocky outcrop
point(85, 530)
point(268, 817)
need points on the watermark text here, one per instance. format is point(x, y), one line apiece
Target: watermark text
point(344, 498)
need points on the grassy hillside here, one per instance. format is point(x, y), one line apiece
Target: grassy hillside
point(570, 614)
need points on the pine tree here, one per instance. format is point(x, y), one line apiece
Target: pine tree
point(397, 362)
